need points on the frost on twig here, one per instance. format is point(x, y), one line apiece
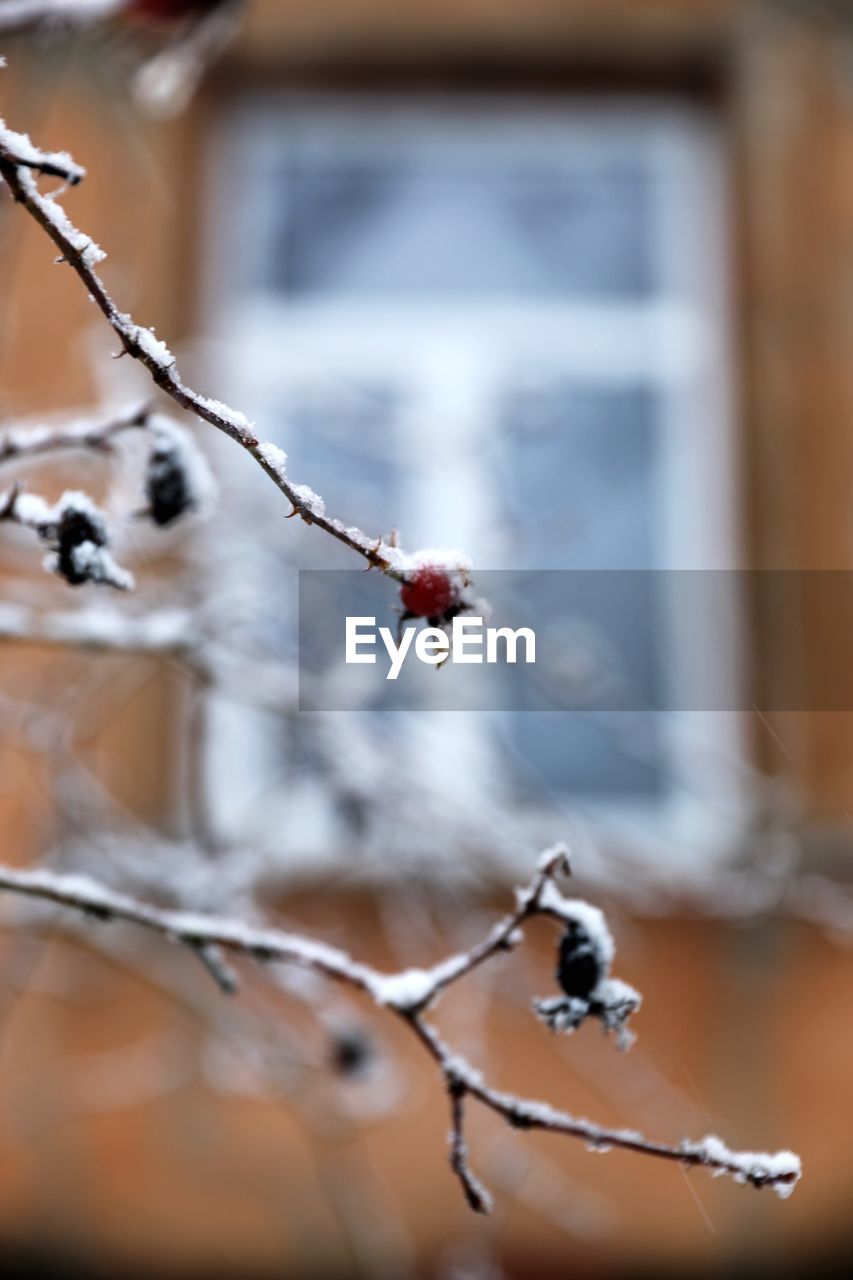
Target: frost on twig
point(475, 1193)
point(19, 159)
point(77, 536)
point(76, 533)
point(23, 153)
point(167, 633)
point(20, 443)
point(781, 1170)
point(23, 15)
point(407, 996)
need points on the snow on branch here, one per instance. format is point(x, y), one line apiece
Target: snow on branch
point(160, 632)
point(20, 443)
point(409, 994)
point(21, 152)
point(23, 15)
point(18, 159)
point(475, 1193)
point(76, 532)
point(171, 634)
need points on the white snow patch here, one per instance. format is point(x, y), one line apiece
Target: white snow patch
point(309, 499)
point(406, 990)
point(82, 244)
point(151, 345)
point(275, 458)
point(232, 417)
point(32, 510)
point(97, 565)
point(780, 1170)
point(24, 151)
point(590, 918)
point(438, 557)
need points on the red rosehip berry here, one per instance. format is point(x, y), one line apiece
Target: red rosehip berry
point(165, 11)
point(429, 592)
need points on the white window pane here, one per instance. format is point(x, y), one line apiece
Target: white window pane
point(578, 474)
point(414, 224)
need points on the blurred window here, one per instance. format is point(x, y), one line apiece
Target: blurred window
point(501, 326)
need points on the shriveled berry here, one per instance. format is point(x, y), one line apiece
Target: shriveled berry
point(166, 487)
point(75, 527)
point(579, 963)
point(351, 1052)
point(429, 592)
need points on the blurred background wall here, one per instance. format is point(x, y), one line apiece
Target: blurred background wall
point(567, 282)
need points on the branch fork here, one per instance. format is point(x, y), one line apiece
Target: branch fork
point(407, 995)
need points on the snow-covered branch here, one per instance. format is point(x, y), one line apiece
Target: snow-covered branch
point(167, 633)
point(410, 993)
point(18, 161)
point(475, 1193)
point(23, 15)
point(19, 443)
point(171, 634)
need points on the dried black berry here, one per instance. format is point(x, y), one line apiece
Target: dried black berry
point(579, 963)
point(351, 1052)
point(73, 528)
point(166, 487)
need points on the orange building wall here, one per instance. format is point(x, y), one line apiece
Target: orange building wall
point(244, 1186)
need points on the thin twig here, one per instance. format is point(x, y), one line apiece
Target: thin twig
point(18, 158)
point(408, 994)
point(19, 443)
point(218, 967)
point(506, 933)
point(475, 1193)
point(167, 634)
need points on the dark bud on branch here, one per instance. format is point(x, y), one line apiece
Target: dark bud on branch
point(178, 479)
point(166, 488)
point(583, 972)
point(580, 964)
point(75, 527)
point(351, 1052)
point(77, 533)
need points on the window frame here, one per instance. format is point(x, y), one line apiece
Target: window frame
point(701, 532)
